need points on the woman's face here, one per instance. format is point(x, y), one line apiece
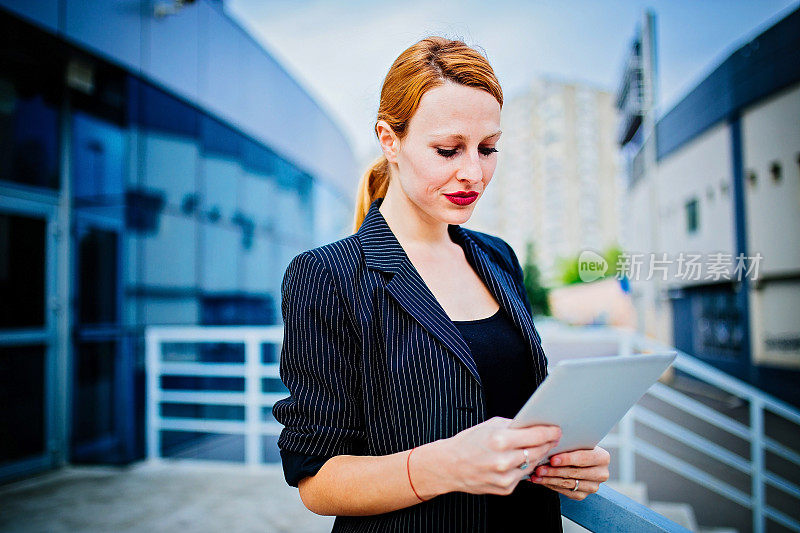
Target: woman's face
point(449, 148)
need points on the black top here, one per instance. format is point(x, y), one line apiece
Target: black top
point(508, 379)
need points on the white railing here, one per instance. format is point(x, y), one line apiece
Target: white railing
point(251, 398)
point(566, 342)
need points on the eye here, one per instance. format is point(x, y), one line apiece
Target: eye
point(444, 152)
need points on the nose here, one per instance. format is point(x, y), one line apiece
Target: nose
point(471, 170)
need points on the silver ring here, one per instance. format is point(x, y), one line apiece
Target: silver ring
point(577, 482)
point(524, 465)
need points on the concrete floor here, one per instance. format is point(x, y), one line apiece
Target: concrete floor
point(173, 496)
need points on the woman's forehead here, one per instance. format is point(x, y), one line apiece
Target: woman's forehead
point(452, 109)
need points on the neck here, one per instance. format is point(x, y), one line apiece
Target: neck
point(411, 225)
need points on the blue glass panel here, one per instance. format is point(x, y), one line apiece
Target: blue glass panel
point(22, 418)
point(98, 276)
point(217, 138)
point(162, 112)
point(22, 271)
point(197, 445)
point(98, 162)
point(259, 158)
point(28, 138)
point(202, 383)
point(93, 398)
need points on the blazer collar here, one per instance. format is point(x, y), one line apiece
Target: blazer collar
point(383, 252)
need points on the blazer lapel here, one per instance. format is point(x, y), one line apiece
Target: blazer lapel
point(383, 252)
point(501, 285)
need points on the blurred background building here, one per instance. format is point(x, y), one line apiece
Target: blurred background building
point(718, 175)
point(558, 183)
point(157, 166)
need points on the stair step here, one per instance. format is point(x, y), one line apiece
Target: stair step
point(636, 491)
point(680, 513)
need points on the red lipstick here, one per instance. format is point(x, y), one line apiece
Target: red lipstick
point(462, 197)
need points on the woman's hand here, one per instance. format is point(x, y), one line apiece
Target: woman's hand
point(588, 467)
point(485, 458)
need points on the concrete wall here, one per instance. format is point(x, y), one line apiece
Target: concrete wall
point(771, 134)
point(699, 170)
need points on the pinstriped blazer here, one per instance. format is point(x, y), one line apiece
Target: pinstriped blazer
point(375, 366)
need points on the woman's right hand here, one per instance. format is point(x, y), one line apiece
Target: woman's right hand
point(485, 458)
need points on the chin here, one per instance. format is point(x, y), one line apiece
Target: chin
point(459, 216)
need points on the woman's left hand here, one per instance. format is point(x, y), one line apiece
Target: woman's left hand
point(588, 467)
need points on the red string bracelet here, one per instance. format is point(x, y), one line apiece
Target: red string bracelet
point(408, 470)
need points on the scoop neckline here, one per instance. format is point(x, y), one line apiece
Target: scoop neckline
point(477, 320)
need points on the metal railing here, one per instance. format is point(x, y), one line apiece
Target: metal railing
point(759, 404)
point(606, 510)
point(251, 372)
point(611, 512)
point(629, 445)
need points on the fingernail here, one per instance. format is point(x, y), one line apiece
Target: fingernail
point(537, 480)
point(555, 461)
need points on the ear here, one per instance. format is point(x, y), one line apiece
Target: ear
point(389, 142)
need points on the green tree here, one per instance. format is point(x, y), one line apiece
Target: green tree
point(567, 267)
point(537, 293)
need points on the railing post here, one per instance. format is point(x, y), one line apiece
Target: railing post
point(626, 343)
point(153, 371)
point(627, 455)
point(757, 462)
point(252, 387)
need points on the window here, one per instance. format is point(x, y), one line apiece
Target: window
point(692, 215)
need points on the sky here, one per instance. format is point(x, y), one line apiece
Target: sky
point(340, 51)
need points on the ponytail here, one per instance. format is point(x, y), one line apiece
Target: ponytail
point(373, 185)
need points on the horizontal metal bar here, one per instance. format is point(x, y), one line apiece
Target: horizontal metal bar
point(720, 379)
point(689, 438)
point(264, 334)
point(779, 483)
point(269, 370)
point(781, 518)
point(609, 511)
point(203, 369)
point(216, 397)
point(782, 410)
point(202, 425)
point(26, 336)
point(699, 410)
point(271, 428)
point(203, 397)
point(781, 450)
point(235, 427)
point(691, 472)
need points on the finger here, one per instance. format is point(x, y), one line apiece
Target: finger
point(569, 484)
point(582, 458)
point(526, 437)
point(571, 494)
point(593, 473)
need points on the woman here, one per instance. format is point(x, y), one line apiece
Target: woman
point(409, 345)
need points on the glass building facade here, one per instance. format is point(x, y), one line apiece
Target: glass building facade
point(124, 204)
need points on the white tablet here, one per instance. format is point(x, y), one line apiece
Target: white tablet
point(586, 397)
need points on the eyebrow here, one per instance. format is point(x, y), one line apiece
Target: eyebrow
point(462, 138)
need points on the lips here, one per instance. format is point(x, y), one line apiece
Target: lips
point(462, 197)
